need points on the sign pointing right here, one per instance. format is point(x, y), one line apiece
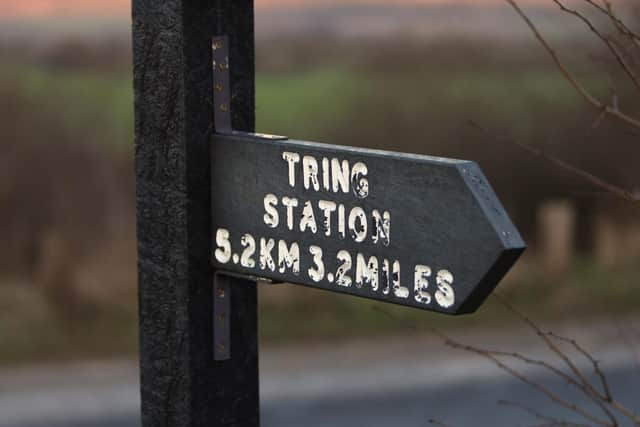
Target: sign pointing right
point(407, 229)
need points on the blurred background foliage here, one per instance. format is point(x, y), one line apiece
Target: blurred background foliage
point(67, 217)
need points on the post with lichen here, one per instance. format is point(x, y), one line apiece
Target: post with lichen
point(182, 385)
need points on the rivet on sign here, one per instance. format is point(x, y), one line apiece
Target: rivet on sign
point(222, 66)
point(223, 108)
point(221, 293)
point(219, 87)
point(217, 45)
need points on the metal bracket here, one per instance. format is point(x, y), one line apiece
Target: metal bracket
point(222, 291)
point(222, 288)
point(221, 317)
point(221, 84)
point(222, 93)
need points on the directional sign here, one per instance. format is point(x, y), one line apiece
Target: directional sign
point(414, 230)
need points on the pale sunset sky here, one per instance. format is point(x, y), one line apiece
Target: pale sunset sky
point(121, 8)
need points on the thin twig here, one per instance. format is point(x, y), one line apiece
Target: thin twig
point(589, 389)
point(517, 356)
point(608, 396)
point(548, 421)
point(610, 45)
point(617, 22)
point(595, 363)
point(588, 97)
point(574, 170)
point(541, 388)
point(546, 337)
point(549, 343)
point(437, 423)
point(560, 423)
point(589, 392)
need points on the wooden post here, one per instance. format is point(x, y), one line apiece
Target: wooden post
point(182, 385)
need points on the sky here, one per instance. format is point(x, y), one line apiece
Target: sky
point(121, 8)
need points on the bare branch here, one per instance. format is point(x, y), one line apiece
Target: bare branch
point(560, 423)
point(622, 28)
point(574, 170)
point(437, 423)
point(586, 385)
point(534, 362)
point(588, 97)
point(608, 397)
point(546, 337)
point(589, 391)
point(523, 378)
point(610, 45)
point(548, 421)
point(595, 363)
point(581, 384)
point(549, 343)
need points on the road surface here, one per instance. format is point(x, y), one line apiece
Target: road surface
point(403, 381)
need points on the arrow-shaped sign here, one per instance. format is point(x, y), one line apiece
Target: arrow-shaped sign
point(408, 229)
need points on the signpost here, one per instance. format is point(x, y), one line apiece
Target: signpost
point(412, 230)
point(220, 209)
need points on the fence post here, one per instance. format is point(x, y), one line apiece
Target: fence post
point(181, 384)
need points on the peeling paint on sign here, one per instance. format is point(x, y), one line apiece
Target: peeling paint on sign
point(412, 230)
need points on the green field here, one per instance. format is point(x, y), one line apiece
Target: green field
point(317, 103)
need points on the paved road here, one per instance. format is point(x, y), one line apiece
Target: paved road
point(398, 382)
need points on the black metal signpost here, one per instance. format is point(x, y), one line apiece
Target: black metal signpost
point(220, 209)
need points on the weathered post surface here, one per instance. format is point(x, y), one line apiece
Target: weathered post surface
point(182, 385)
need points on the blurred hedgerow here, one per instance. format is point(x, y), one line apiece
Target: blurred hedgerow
point(623, 45)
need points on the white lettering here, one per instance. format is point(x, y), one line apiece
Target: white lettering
point(310, 171)
point(292, 159)
point(358, 224)
point(341, 275)
point(266, 259)
point(326, 184)
point(367, 272)
point(316, 274)
point(445, 295)
point(382, 227)
point(342, 229)
point(327, 207)
point(288, 257)
point(249, 243)
point(340, 175)
point(308, 219)
point(398, 290)
point(421, 283)
point(271, 217)
point(386, 277)
point(359, 183)
point(290, 204)
point(223, 253)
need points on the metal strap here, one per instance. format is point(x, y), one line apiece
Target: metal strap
point(222, 121)
point(221, 85)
